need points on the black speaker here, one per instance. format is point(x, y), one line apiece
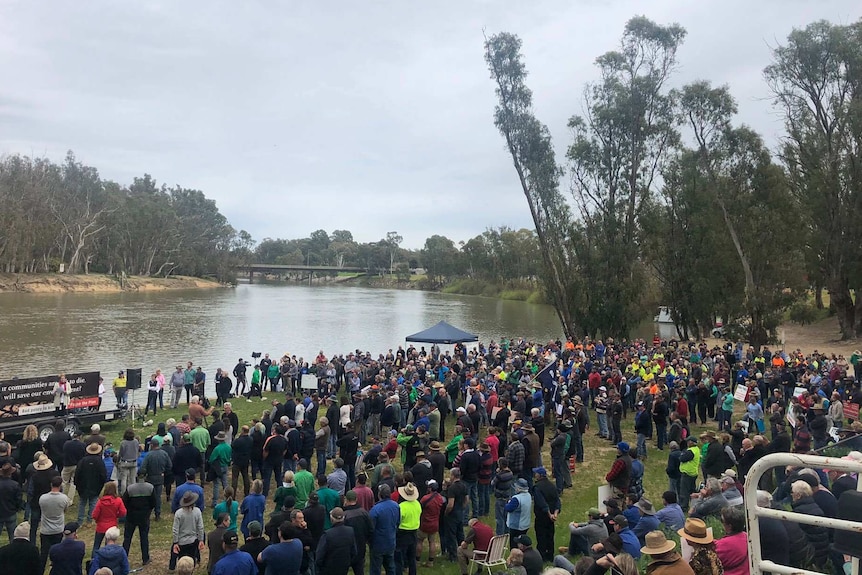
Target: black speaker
point(133, 378)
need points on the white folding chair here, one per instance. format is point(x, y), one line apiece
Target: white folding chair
point(494, 556)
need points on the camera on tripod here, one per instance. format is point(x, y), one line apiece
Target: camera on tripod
point(255, 354)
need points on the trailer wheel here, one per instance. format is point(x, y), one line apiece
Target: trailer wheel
point(71, 427)
point(45, 431)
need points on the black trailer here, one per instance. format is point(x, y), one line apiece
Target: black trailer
point(30, 401)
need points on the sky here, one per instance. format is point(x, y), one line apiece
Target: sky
point(370, 116)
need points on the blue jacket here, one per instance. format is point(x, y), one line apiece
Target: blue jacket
point(672, 516)
point(646, 524)
point(181, 490)
point(235, 563)
point(385, 516)
point(252, 510)
point(112, 556)
point(633, 514)
point(630, 543)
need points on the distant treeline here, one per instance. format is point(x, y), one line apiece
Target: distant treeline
point(66, 215)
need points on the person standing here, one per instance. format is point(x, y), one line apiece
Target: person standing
point(405, 541)
point(385, 517)
point(40, 484)
point(357, 517)
point(67, 555)
point(189, 381)
point(74, 451)
point(284, 557)
point(252, 507)
point(140, 502)
point(241, 449)
point(215, 539)
point(559, 467)
point(120, 391)
point(546, 505)
point(21, 556)
point(90, 475)
point(187, 534)
point(518, 509)
point(178, 383)
point(273, 456)
point(107, 513)
point(156, 464)
point(128, 459)
point(336, 551)
point(321, 443)
point(152, 395)
point(53, 506)
point(219, 462)
point(453, 519)
point(10, 500)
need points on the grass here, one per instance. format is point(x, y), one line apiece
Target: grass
point(575, 502)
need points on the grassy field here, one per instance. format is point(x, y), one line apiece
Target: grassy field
point(588, 475)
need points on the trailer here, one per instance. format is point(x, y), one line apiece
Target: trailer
point(30, 401)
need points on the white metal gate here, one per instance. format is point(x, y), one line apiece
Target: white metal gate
point(752, 511)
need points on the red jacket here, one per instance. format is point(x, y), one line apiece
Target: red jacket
point(108, 511)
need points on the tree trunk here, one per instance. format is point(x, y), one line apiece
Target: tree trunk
point(818, 296)
point(842, 301)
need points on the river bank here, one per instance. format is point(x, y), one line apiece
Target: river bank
point(97, 283)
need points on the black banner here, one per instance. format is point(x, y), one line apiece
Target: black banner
point(35, 395)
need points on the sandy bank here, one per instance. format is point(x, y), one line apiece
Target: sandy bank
point(95, 283)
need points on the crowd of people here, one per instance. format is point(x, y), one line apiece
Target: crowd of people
point(395, 459)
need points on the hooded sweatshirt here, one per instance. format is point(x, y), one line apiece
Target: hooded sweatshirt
point(112, 556)
point(107, 513)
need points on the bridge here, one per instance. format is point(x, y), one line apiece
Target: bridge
point(251, 269)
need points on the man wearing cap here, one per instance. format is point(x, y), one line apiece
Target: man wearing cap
point(664, 560)
point(582, 536)
point(619, 476)
point(21, 557)
point(518, 510)
point(622, 539)
point(255, 543)
point(156, 463)
point(67, 555)
point(546, 505)
point(233, 561)
point(119, 386)
point(533, 563)
point(90, 478)
point(53, 506)
point(336, 550)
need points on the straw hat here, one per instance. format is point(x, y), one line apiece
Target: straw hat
point(43, 463)
point(94, 449)
point(435, 446)
point(408, 492)
point(657, 544)
point(220, 436)
point(696, 532)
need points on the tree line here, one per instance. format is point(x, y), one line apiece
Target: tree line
point(66, 216)
point(663, 187)
point(497, 255)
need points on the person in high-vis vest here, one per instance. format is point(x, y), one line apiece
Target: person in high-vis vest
point(689, 467)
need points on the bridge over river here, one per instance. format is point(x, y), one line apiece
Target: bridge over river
point(282, 269)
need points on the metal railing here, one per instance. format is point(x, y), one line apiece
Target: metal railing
point(757, 565)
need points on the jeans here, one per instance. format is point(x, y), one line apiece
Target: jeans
point(642, 453)
point(321, 461)
point(35, 517)
point(673, 484)
point(386, 560)
point(453, 532)
point(45, 542)
point(473, 494)
point(86, 505)
point(661, 435)
point(126, 475)
point(236, 472)
point(189, 393)
point(220, 481)
point(617, 432)
point(9, 523)
point(157, 492)
point(405, 551)
point(152, 402)
point(97, 542)
point(579, 448)
point(578, 545)
point(484, 499)
point(687, 485)
point(265, 474)
point(143, 528)
point(330, 448)
point(176, 394)
point(122, 398)
point(603, 424)
point(500, 515)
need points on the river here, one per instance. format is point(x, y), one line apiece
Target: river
point(43, 334)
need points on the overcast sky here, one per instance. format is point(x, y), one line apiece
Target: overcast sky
point(367, 116)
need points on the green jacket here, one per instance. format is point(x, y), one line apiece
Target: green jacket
point(221, 454)
point(452, 448)
point(200, 438)
point(304, 483)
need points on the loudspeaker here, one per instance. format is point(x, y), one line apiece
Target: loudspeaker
point(133, 378)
